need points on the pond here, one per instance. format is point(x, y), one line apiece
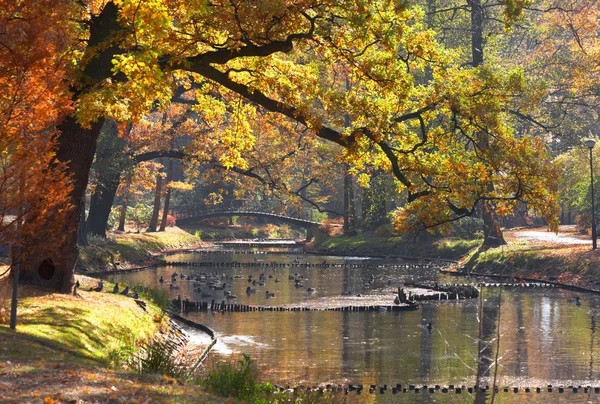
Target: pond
point(545, 337)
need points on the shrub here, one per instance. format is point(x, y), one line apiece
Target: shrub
point(234, 379)
point(583, 222)
point(159, 355)
point(140, 215)
point(386, 230)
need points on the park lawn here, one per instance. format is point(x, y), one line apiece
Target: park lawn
point(64, 344)
point(401, 246)
point(130, 249)
point(572, 264)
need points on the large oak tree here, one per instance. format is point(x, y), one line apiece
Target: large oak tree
point(287, 57)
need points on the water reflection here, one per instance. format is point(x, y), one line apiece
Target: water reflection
point(544, 338)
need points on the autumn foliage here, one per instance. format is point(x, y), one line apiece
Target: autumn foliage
point(33, 99)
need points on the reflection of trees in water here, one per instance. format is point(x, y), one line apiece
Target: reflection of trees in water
point(488, 314)
point(429, 312)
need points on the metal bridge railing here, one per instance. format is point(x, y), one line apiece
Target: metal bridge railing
point(247, 206)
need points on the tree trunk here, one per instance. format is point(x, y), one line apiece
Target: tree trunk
point(163, 222)
point(110, 162)
point(123, 216)
point(76, 146)
point(346, 202)
point(101, 203)
point(476, 32)
point(81, 231)
point(492, 232)
point(156, 210)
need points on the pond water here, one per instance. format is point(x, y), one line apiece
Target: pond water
point(544, 337)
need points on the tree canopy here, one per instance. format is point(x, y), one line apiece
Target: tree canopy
point(369, 76)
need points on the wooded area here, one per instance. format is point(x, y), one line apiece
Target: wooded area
point(430, 111)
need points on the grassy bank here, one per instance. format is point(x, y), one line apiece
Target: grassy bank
point(429, 247)
point(574, 264)
point(64, 350)
point(124, 250)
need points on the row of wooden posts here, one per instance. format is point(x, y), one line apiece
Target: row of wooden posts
point(187, 306)
point(399, 388)
point(275, 265)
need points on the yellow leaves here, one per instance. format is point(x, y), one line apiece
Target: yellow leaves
point(180, 186)
point(363, 180)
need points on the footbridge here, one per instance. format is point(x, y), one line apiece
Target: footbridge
point(269, 210)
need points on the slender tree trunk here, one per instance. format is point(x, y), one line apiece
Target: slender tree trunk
point(123, 216)
point(346, 202)
point(156, 210)
point(163, 222)
point(110, 162)
point(101, 204)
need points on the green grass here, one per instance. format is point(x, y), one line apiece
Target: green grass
point(129, 249)
point(430, 247)
point(86, 328)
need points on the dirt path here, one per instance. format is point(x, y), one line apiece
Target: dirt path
point(567, 235)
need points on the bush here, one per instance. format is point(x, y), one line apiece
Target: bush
point(583, 222)
point(386, 230)
point(234, 379)
point(140, 215)
point(159, 355)
point(113, 217)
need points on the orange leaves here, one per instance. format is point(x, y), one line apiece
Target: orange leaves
point(33, 99)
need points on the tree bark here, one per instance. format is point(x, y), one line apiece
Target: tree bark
point(156, 210)
point(101, 205)
point(163, 222)
point(492, 232)
point(110, 163)
point(346, 202)
point(476, 32)
point(76, 147)
point(123, 216)
point(81, 231)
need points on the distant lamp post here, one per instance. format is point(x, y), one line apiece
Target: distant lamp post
point(590, 143)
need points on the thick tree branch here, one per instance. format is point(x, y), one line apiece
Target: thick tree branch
point(269, 103)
